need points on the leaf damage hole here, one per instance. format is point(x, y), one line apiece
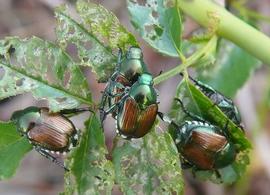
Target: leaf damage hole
point(67, 77)
point(155, 14)
point(72, 50)
point(71, 30)
point(5, 88)
point(139, 2)
point(11, 50)
point(169, 3)
point(2, 72)
point(151, 33)
point(88, 45)
point(50, 74)
point(13, 59)
point(19, 82)
point(61, 99)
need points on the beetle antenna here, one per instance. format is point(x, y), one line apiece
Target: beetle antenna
point(167, 119)
point(76, 110)
point(120, 55)
point(191, 78)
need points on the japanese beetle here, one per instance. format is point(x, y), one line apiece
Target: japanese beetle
point(49, 133)
point(127, 72)
point(203, 146)
point(225, 104)
point(137, 110)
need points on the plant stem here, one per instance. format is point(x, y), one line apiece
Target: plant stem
point(229, 27)
point(188, 62)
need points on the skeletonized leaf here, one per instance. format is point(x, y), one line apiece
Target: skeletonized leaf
point(104, 25)
point(159, 23)
point(149, 165)
point(93, 173)
point(40, 67)
point(93, 38)
point(13, 147)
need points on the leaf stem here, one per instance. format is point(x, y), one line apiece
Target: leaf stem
point(229, 27)
point(188, 62)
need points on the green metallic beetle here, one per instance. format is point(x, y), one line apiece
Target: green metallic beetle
point(128, 70)
point(130, 96)
point(225, 104)
point(137, 110)
point(49, 133)
point(202, 146)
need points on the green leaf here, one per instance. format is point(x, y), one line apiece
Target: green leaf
point(40, 67)
point(13, 147)
point(159, 23)
point(196, 102)
point(149, 165)
point(93, 38)
point(233, 68)
point(104, 25)
point(93, 173)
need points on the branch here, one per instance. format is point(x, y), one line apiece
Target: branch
point(229, 27)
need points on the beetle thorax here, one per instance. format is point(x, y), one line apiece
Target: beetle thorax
point(134, 53)
point(144, 95)
point(132, 69)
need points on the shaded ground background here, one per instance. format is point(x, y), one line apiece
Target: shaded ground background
point(37, 175)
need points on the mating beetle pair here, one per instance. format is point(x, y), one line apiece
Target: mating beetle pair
point(130, 96)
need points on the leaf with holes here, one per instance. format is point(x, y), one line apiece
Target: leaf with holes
point(93, 172)
point(149, 165)
point(159, 23)
point(13, 147)
point(40, 67)
point(197, 103)
point(93, 38)
point(104, 25)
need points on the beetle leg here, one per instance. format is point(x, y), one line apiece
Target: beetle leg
point(50, 157)
point(22, 133)
point(186, 165)
point(217, 174)
point(191, 115)
point(167, 119)
point(104, 113)
point(75, 110)
point(120, 54)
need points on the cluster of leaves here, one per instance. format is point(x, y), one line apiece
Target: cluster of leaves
point(51, 71)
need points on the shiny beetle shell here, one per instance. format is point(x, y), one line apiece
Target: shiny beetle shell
point(204, 146)
point(137, 111)
point(128, 70)
point(50, 131)
point(225, 104)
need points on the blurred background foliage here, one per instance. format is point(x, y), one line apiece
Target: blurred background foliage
point(37, 175)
